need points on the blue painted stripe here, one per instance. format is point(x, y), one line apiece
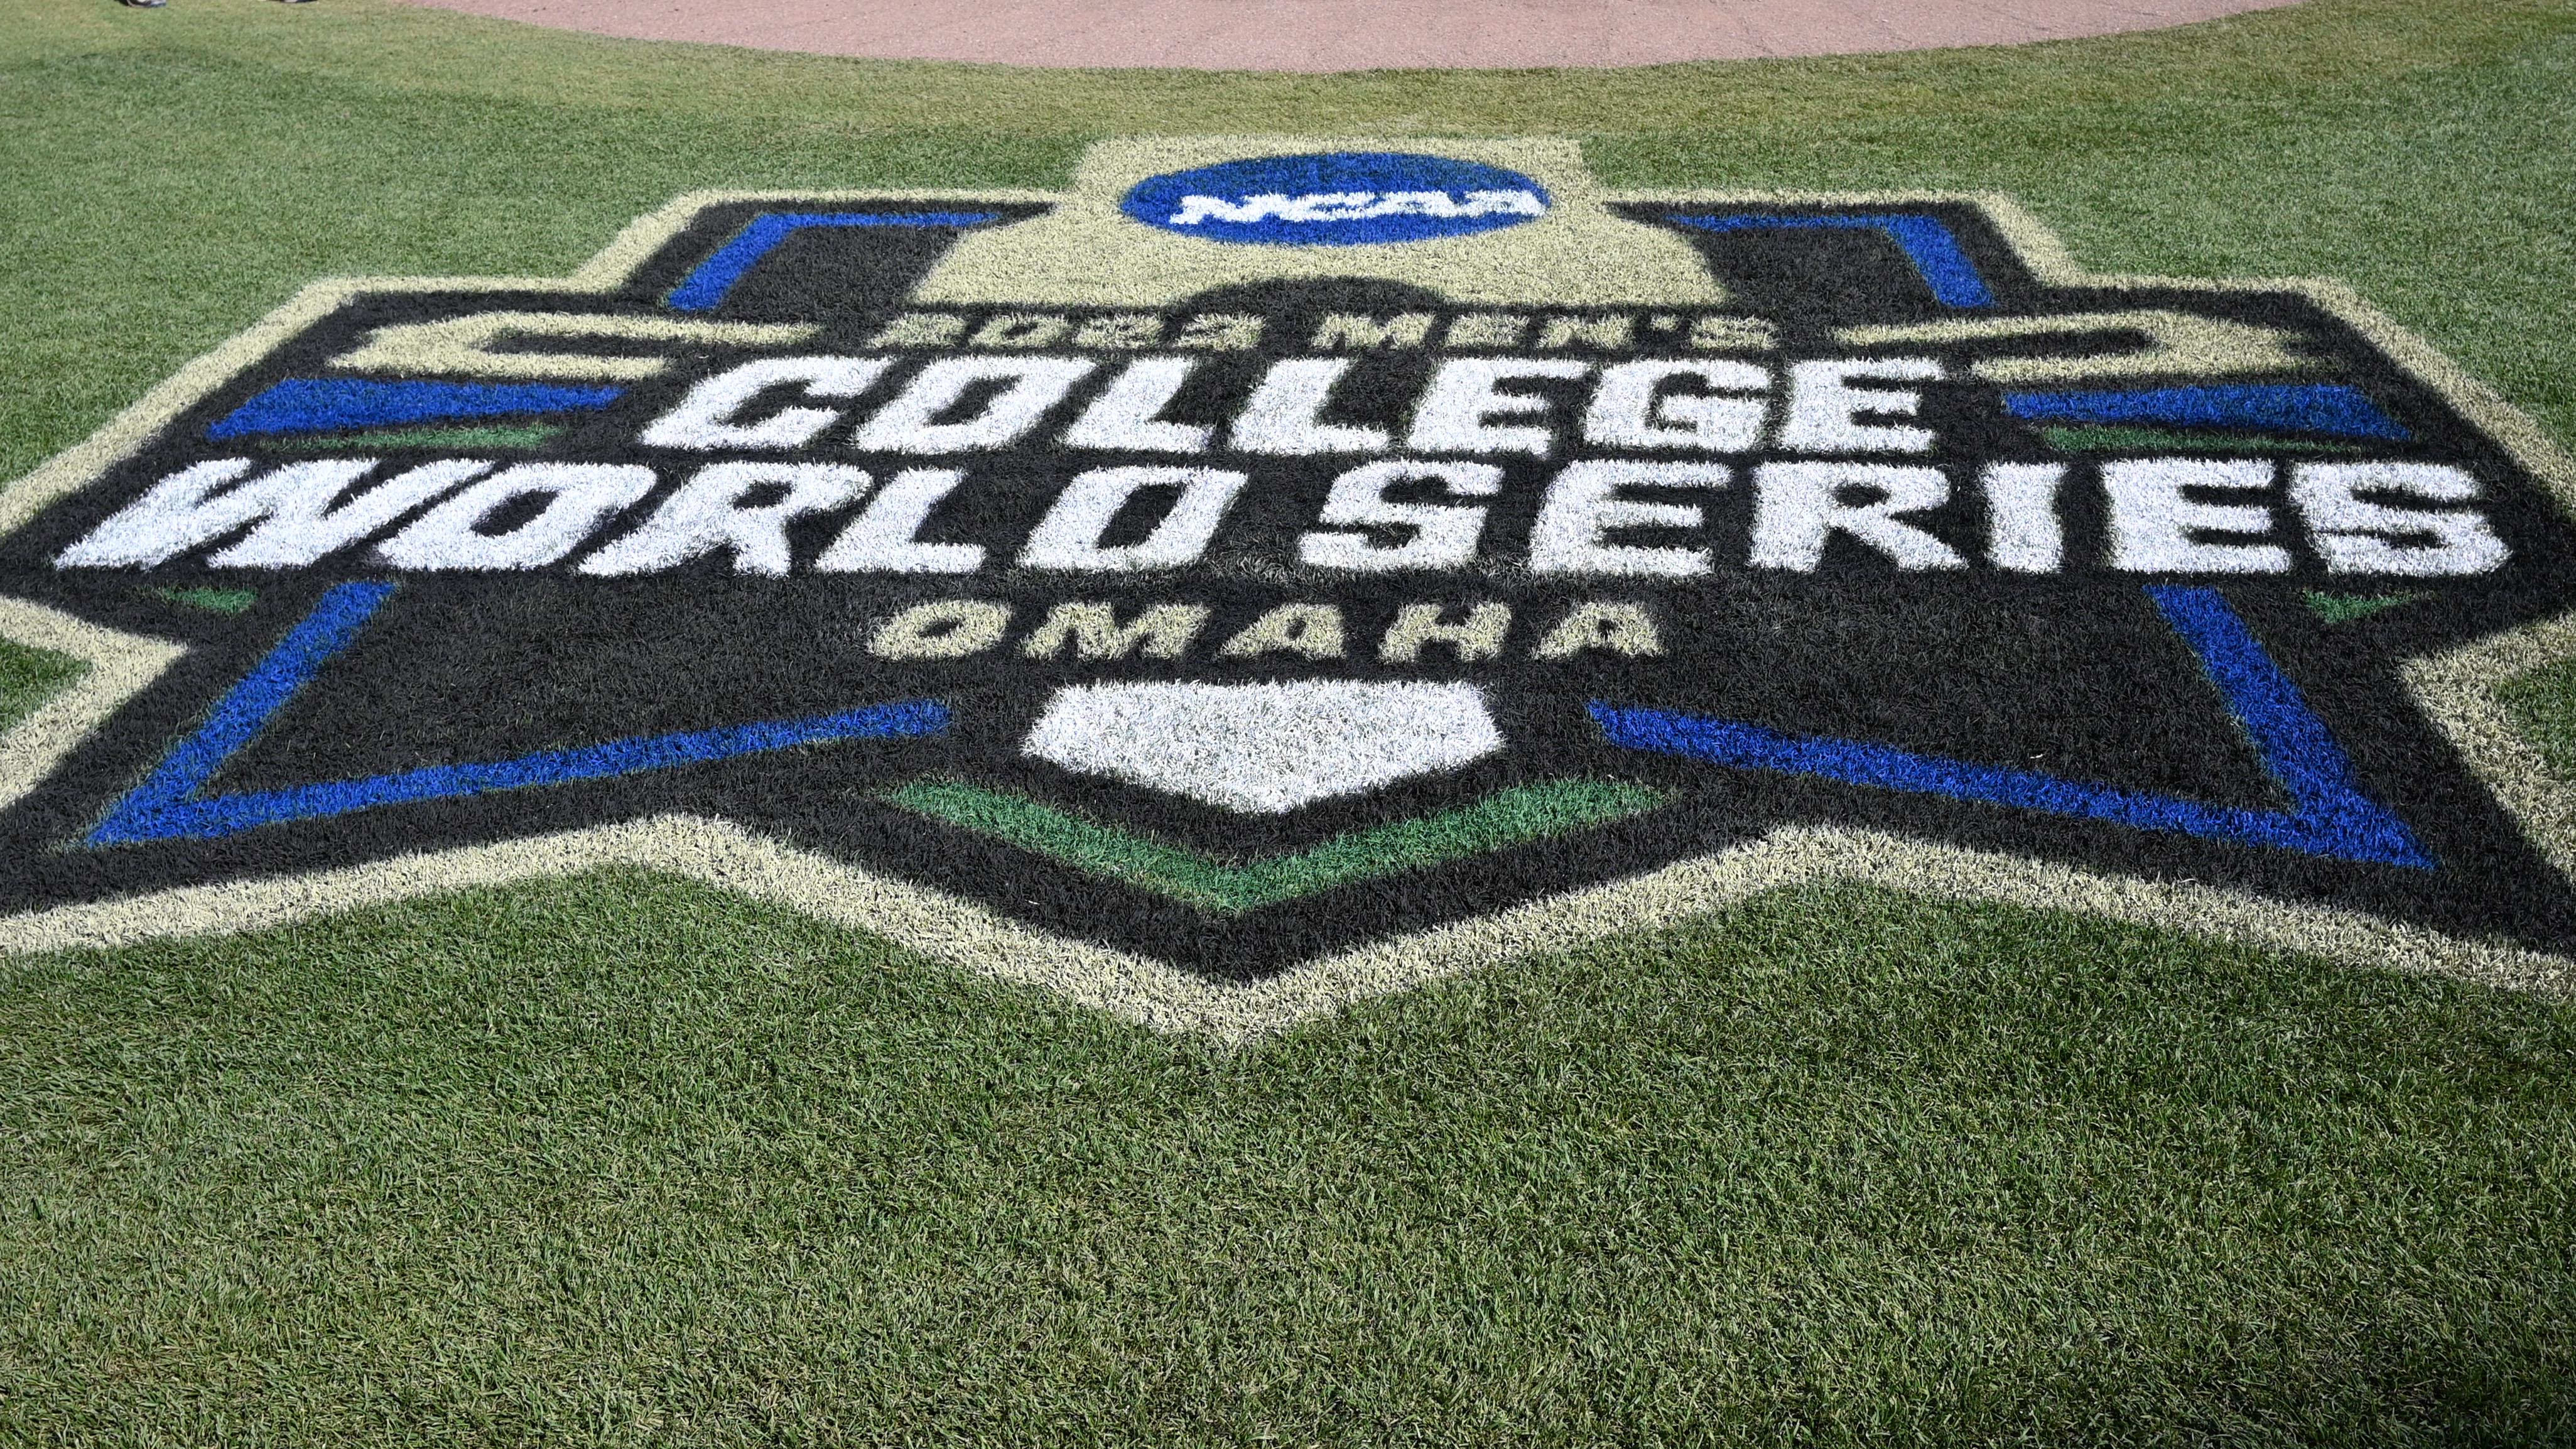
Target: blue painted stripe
point(167, 806)
point(2331, 408)
point(230, 814)
point(2330, 816)
point(322, 404)
point(2286, 734)
point(1926, 241)
point(248, 706)
point(715, 276)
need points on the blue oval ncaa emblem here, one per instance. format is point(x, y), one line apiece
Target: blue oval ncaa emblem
point(1337, 199)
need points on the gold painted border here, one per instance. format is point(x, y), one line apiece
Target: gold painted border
point(2456, 690)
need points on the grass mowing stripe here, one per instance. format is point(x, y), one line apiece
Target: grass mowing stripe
point(30, 676)
point(627, 1161)
point(528, 436)
point(2144, 440)
point(1506, 818)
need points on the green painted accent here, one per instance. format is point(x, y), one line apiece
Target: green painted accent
point(220, 601)
point(2140, 440)
point(1510, 817)
point(30, 676)
point(527, 435)
point(2341, 608)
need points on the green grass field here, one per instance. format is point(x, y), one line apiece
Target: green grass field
point(621, 1160)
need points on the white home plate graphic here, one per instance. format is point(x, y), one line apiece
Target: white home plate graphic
point(1264, 749)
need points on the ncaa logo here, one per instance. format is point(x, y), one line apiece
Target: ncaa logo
point(1337, 199)
point(1216, 634)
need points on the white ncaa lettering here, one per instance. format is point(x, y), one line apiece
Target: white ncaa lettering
point(1353, 206)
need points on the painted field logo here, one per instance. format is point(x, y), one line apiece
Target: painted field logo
point(1215, 632)
point(1340, 198)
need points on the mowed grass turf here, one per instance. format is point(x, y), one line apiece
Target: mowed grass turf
point(626, 1160)
point(621, 1160)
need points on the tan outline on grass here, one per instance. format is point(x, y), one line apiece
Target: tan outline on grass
point(1166, 998)
point(119, 665)
point(2455, 689)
